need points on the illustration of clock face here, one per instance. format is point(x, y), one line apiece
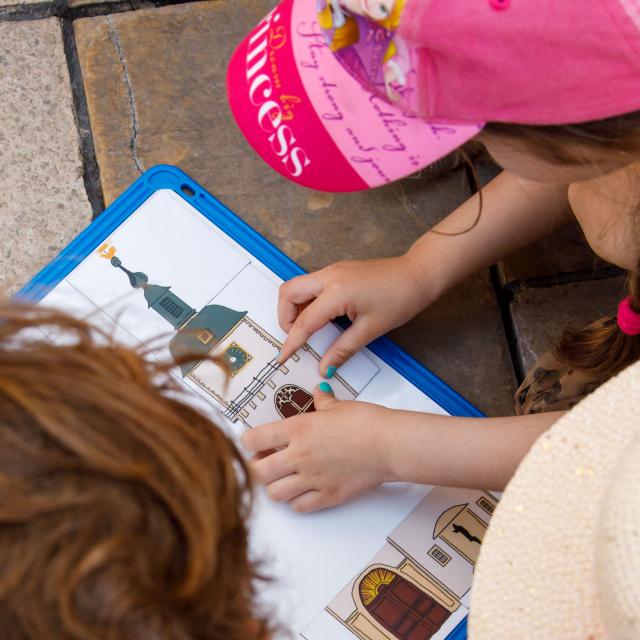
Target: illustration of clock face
point(236, 358)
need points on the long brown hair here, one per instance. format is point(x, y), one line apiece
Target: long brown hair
point(122, 508)
point(604, 350)
point(575, 143)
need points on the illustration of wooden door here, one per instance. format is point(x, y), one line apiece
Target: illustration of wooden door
point(401, 607)
point(291, 400)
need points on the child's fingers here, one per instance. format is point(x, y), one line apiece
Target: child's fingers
point(274, 435)
point(293, 293)
point(323, 397)
point(288, 488)
point(261, 455)
point(319, 313)
point(309, 501)
point(272, 468)
point(358, 335)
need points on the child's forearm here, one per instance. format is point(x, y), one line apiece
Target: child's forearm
point(475, 453)
point(515, 212)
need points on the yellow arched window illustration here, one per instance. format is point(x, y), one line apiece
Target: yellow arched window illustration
point(399, 606)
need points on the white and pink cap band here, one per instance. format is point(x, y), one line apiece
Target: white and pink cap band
point(344, 95)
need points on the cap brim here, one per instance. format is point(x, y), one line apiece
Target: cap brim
point(313, 122)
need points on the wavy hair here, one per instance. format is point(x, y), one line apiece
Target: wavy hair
point(123, 509)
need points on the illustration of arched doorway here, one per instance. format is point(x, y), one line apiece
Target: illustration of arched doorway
point(291, 400)
point(399, 606)
point(462, 529)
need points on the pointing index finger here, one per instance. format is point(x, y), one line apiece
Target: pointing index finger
point(293, 293)
point(315, 316)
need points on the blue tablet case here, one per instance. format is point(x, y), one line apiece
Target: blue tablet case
point(169, 177)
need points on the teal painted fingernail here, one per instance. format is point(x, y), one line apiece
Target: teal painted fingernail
point(331, 370)
point(326, 387)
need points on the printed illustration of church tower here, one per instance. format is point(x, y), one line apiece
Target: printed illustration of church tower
point(251, 385)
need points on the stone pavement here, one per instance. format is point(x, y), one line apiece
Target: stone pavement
point(93, 93)
point(43, 203)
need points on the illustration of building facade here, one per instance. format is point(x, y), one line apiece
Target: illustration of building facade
point(234, 360)
point(420, 577)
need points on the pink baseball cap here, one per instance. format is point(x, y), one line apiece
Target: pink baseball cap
point(344, 95)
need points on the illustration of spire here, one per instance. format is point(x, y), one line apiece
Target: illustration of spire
point(168, 305)
point(197, 332)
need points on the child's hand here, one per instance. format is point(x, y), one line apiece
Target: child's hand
point(323, 458)
point(376, 295)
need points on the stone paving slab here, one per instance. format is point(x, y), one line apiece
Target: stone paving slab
point(43, 203)
point(155, 84)
point(564, 252)
point(540, 314)
point(461, 339)
point(486, 168)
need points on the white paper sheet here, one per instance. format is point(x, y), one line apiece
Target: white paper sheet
point(311, 557)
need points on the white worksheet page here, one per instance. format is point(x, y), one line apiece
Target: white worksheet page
point(168, 277)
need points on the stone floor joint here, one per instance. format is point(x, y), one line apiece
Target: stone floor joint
point(502, 295)
point(504, 299)
point(100, 9)
point(59, 8)
point(91, 171)
point(20, 13)
point(557, 279)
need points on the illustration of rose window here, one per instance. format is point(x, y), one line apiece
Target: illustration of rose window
point(292, 400)
point(401, 607)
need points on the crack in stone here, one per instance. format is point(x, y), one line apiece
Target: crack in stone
point(133, 140)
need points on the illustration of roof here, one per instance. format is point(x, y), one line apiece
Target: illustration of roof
point(202, 333)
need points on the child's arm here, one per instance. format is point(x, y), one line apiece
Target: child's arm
point(379, 295)
point(345, 448)
point(465, 452)
point(515, 212)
